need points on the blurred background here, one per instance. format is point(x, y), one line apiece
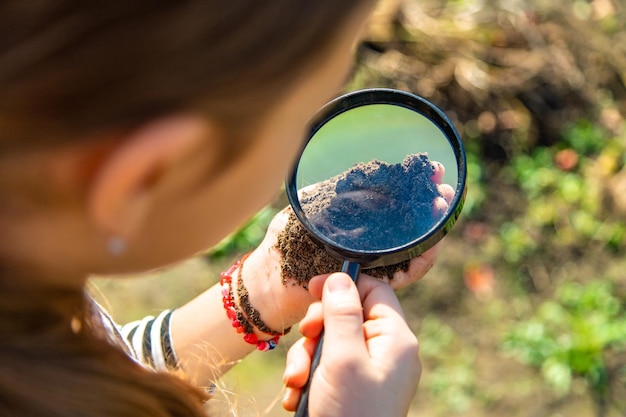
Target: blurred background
point(525, 312)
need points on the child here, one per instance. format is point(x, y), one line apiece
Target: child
point(135, 134)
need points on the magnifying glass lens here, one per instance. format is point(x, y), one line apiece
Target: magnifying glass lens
point(377, 176)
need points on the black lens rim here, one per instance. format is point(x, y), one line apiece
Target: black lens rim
point(371, 259)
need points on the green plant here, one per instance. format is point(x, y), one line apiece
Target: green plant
point(476, 192)
point(564, 187)
point(247, 237)
point(451, 382)
point(585, 137)
point(570, 337)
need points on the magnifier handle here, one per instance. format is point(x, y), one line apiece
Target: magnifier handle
point(352, 269)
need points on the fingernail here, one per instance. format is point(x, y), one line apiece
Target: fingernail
point(339, 282)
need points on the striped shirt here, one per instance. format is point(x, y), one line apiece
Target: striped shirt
point(148, 341)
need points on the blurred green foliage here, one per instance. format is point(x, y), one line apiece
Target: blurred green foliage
point(571, 335)
point(563, 188)
point(246, 238)
point(585, 137)
point(476, 192)
point(450, 378)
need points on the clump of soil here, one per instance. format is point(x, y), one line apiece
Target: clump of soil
point(372, 206)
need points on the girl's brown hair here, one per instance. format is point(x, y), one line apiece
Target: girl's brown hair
point(54, 363)
point(70, 66)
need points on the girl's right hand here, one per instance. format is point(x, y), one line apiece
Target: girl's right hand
point(369, 364)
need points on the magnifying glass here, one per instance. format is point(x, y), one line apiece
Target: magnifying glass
point(380, 180)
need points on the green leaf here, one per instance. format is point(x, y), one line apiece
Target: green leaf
point(558, 375)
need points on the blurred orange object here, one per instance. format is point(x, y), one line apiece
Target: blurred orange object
point(566, 159)
point(479, 278)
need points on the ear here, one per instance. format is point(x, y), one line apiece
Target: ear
point(120, 193)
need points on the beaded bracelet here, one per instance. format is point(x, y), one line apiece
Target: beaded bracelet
point(237, 318)
point(253, 314)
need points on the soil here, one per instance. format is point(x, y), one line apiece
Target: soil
point(372, 206)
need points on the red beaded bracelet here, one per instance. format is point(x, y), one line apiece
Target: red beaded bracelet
point(236, 317)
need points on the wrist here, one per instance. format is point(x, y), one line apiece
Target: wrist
point(279, 305)
point(243, 319)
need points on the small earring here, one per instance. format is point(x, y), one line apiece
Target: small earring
point(116, 246)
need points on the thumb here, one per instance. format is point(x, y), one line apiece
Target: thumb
point(343, 317)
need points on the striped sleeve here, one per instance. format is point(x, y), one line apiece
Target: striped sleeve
point(151, 342)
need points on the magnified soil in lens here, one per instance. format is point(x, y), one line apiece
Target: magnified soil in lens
point(372, 206)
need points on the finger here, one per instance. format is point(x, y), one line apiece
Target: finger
point(298, 364)
point(428, 257)
point(343, 319)
point(418, 268)
point(291, 399)
point(438, 172)
point(312, 324)
point(297, 371)
point(439, 208)
point(425, 262)
point(447, 192)
point(378, 298)
point(316, 285)
point(388, 337)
